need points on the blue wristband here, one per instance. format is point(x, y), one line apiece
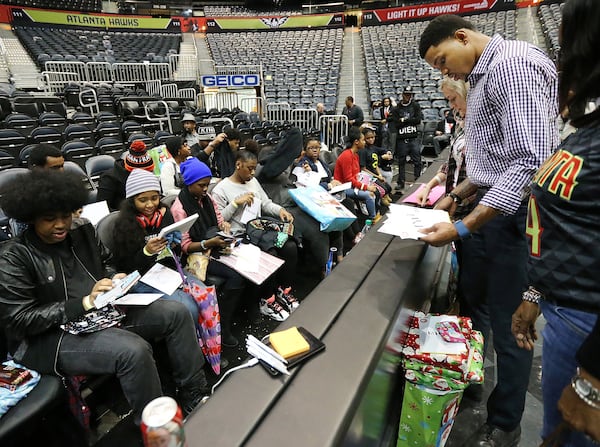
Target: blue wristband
point(462, 230)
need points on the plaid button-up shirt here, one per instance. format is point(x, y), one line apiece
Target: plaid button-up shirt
point(511, 120)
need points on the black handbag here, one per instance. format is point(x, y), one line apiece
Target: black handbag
point(267, 232)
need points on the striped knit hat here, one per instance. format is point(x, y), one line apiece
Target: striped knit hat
point(140, 181)
point(138, 157)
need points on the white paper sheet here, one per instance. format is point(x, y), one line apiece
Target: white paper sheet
point(265, 266)
point(406, 221)
point(251, 211)
point(306, 178)
point(339, 188)
point(247, 258)
point(137, 299)
point(162, 278)
point(94, 212)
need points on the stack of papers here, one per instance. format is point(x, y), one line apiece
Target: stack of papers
point(406, 221)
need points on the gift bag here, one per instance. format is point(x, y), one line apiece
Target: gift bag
point(209, 322)
point(197, 264)
point(323, 207)
point(427, 416)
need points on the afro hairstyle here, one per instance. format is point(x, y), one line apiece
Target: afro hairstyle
point(41, 192)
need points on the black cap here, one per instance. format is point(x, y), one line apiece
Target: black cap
point(408, 90)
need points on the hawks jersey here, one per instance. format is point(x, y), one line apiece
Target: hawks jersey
point(563, 223)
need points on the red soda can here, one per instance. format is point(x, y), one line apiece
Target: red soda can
point(162, 424)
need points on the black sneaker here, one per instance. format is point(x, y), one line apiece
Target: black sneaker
point(492, 436)
point(287, 299)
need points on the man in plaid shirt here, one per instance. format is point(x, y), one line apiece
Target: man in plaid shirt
point(510, 130)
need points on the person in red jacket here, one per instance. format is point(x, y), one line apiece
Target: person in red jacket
point(347, 168)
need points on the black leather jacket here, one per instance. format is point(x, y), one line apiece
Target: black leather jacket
point(33, 301)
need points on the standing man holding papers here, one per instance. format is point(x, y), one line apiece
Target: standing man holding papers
point(510, 130)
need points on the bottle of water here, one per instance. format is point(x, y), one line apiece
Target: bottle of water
point(331, 260)
point(359, 236)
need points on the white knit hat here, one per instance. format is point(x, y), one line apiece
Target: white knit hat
point(140, 181)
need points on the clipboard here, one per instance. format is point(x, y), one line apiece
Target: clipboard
point(316, 346)
point(182, 225)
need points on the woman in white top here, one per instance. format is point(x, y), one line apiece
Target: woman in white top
point(171, 181)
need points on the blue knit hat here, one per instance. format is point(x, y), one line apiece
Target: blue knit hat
point(193, 170)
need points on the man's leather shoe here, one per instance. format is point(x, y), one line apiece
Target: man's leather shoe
point(491, 436)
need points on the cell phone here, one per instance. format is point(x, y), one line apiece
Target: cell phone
point(226, 237)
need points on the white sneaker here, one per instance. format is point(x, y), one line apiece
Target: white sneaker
point(272, 309)
point(363, 208)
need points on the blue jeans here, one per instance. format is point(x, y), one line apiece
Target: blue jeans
point(365, 196)
point(563, 334)
point(492, 280)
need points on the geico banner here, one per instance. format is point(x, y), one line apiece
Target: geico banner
point(236, 80)
point(419, 12)
point(21, 15)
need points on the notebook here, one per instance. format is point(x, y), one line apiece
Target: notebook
point(315, 346)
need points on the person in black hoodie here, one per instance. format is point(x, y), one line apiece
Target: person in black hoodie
point(407, 116)
point(51, 275)
point(112, 183)
point(202, 237)
point(220, 156)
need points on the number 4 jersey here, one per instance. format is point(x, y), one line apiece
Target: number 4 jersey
point(563, 223)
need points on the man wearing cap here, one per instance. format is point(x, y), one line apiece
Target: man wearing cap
point(190, 135)
point(219, 155)
point(112, 182)
point(407, 116)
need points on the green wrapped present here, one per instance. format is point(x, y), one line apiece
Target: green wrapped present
point(427, 416)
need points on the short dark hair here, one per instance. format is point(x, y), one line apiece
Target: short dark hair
point(39, 153)
point(440, 29)
point(349, 98)
point(578, 61)
point(353, 135)
point(233, 134)
point(173, 145)
point(40, 192)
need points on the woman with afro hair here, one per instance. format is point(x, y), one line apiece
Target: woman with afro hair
point(50, 275)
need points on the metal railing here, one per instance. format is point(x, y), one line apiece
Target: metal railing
point(306, 119)
point(278, 111)
point(333, 129)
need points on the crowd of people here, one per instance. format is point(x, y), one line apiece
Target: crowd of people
point(523, 205)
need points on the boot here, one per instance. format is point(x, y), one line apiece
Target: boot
point(227, 306)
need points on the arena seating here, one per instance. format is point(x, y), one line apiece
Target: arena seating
point(392, 60)
point(300, 67)
point(549, 16)
point(69, 5)
point(70, 44)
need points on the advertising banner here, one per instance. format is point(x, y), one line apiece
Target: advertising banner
point(424, 11)
point(26, 16)
point(266, 23)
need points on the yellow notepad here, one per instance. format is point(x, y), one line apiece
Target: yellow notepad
point(289, 343)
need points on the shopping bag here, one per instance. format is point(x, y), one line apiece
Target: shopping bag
point(323, 207)
point(427, 416)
